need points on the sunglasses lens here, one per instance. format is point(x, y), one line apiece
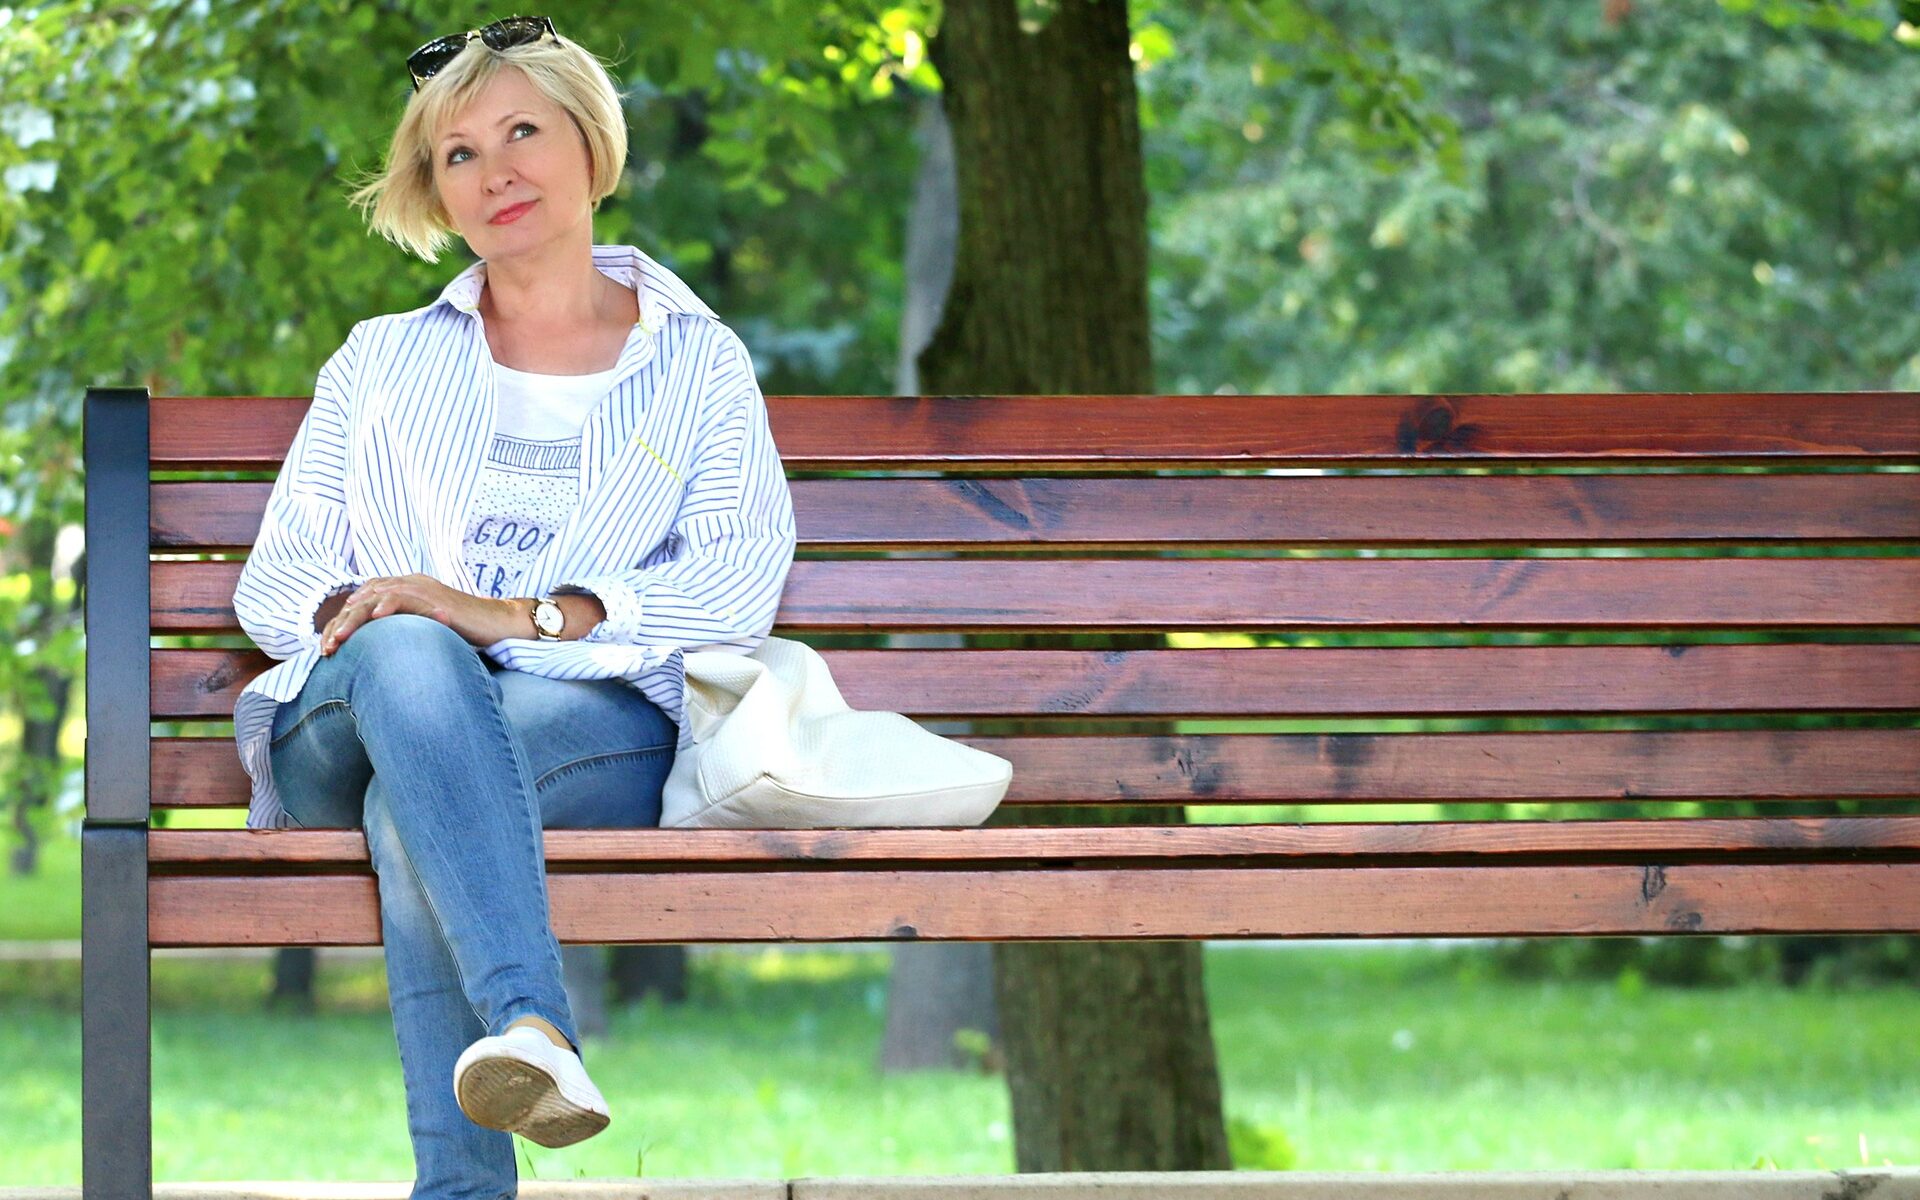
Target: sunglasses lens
point(428, 59)
point(516, 31)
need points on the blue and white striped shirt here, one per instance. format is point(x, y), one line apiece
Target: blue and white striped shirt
point(684, 526)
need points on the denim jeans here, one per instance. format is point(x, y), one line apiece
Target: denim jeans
point(452, 765)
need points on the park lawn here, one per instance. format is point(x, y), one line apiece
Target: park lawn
point(46, 904)
point(1397, 1057)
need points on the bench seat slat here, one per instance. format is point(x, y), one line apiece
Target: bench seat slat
point(1281, 681)
point(1083, 903)
point(1700, 838)
point(1216, 594)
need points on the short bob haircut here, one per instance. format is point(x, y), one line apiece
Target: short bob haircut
point(406, 208)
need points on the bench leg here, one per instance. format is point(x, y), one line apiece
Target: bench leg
point(116, 1050)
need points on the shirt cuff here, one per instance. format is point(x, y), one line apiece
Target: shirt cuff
point(617, 597)
point(309, 636)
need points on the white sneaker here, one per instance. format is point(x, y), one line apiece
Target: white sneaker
point(521, 1082)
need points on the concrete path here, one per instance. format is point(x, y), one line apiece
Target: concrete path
point(1863, 1183)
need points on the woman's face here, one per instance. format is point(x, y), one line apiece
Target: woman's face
point(509, 146)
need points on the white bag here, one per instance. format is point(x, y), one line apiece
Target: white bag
point(775, 747)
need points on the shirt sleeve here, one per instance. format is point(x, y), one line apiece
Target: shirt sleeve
point(732, 541)
point(301, 555)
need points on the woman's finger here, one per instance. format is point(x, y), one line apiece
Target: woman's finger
point(336, 629)
point(347, 620)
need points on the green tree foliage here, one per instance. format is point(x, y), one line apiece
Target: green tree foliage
point(1671, 198)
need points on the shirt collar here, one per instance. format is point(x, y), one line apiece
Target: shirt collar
point(661, 292)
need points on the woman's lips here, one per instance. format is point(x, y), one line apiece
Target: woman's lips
point(512, 214)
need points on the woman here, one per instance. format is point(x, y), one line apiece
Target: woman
point(503, 519)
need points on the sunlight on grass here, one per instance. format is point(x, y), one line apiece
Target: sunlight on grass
point(770, 965)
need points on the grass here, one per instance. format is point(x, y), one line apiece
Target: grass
point(46, 904)
point(1354, 1057)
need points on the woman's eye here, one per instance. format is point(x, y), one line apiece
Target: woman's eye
point(451, 160)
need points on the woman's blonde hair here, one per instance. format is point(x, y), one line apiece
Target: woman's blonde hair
point(405, 204)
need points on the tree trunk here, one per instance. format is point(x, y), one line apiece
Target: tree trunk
point(937, 990)
point(933, 228)
point(35, 778)
point(293, 972)
point(1110, 1058)
point(639, 969)
point(584, 974)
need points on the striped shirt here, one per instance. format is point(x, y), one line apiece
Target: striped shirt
point(683, 528)
point(530, 481)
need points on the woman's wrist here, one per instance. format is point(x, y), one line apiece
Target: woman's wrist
point(511, 618)
point(581, 610)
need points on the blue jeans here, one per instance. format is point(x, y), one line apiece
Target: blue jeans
point(452, 765)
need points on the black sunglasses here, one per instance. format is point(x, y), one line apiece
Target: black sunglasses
point(426, 62)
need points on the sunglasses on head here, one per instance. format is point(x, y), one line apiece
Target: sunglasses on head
point(426, 62)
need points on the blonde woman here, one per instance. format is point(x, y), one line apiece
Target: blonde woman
point(503, 520)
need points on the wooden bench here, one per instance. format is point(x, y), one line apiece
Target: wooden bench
point(1118, 515)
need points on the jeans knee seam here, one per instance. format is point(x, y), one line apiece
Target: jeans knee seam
point(596, 759)
point(311, 713)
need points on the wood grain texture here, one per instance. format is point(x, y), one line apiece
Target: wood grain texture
point(1126, 595)
point(1108, 432)
point(1151, 847)
point(1068, 513)
point(1079, 903)
point(1282, 681)
point(1346, 768)
point(1037, 484)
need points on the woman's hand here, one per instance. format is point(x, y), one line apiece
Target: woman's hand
point(479, 619)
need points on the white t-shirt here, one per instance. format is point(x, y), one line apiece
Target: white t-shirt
point(530, 481)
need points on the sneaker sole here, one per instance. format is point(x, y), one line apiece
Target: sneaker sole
point(521, 1097)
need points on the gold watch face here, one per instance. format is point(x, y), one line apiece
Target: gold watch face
point(547, 617)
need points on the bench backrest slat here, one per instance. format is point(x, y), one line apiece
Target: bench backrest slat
point(1285, 682)
point(1538, 768)
point(1255, 511)
point(816, 432)
point(1123, 595)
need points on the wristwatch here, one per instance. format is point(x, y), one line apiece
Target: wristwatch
point(548, 620)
